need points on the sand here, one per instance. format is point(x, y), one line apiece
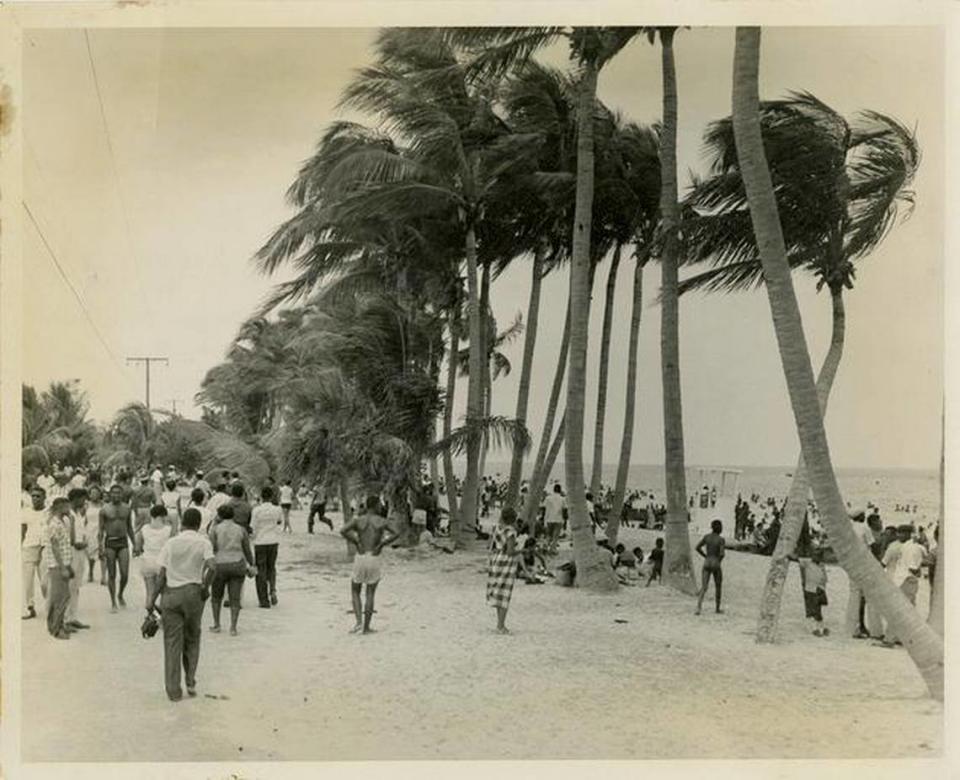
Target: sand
point(571, 682)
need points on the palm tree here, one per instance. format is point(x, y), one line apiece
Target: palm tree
point(55, 428)
point(922, 643)
point(838, 186)
point(629, 198)
point(678, 563)
point(591, 48)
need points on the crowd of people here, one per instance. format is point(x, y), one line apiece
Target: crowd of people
point(199, 538)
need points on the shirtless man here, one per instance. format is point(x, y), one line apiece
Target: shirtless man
point(116, 527)
point(712, 548)
point(370, 533)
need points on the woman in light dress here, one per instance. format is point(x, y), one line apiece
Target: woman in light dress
point(150, 539)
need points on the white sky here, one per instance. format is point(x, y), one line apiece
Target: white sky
point(208, 128)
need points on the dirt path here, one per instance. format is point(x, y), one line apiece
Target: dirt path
point(573, 681)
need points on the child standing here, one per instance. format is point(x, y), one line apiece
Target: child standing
point(815, 591)
point(656, 561)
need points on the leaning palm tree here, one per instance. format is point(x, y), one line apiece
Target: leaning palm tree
point(922, 643)
point(839, 187)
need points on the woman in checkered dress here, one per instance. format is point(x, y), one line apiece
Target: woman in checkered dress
point(502, 566)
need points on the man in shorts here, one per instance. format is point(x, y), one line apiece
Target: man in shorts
point(712, 547)
point(370, 533)
point(116, 527)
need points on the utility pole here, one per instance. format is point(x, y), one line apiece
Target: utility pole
point(146, 365)
point(173, 403)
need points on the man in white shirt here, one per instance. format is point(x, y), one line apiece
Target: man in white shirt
point(31, 545)
point(219, 497)
point(265, 523)
point(78, 542)
point(856, 604)
point(903, 560)
point(554, 505)
point(186, 568)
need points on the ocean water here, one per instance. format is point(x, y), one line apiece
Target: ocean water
point(886, 488)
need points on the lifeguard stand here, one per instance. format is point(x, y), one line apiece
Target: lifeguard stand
point(714, 492)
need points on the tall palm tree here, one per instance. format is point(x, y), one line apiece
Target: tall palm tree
point(630, 200)
point(678, 562)
point(839, 188)
point(591, 49)
point(921, 642)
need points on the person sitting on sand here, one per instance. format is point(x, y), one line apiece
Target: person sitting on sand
point(370, 533)
point(656, 560)
point(533, 567)
point(502, 566)
point(712, 547)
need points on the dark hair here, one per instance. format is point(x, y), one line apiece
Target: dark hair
point(716, 526)
point(620, 548)
point(557, 488)
point(191, 519)
point(508, 515)
point(237, 490)
point(159, 510)
point(267, 494)
point(373, 502)
point(38, 489)
point(589, 496)
point(637, 551)
point(58, 503)
point(171, 484)
point(197, 495)
point(76, 494)
point(225, 512)
point(659, 541)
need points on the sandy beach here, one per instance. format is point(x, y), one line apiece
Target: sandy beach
point(582, 676)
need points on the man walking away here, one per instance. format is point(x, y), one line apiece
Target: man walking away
point(184, 581)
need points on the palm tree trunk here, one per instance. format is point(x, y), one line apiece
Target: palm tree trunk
point(554, 451)
point(346, 511)
point(593, 570)
point(935, 618)
point(435, 356)
point(538, 477)
point(486, 339)
point(626, 442)
point(796, 508)
point(523, 393)
point(468, 509)
point(678, 563)
point(596, 475)
point(921, 641)
point(449, 477)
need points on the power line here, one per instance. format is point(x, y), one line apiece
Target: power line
point(76, 294)
point(112, 154)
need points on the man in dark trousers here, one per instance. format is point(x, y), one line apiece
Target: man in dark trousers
point(186, 568)
point(318, 506)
